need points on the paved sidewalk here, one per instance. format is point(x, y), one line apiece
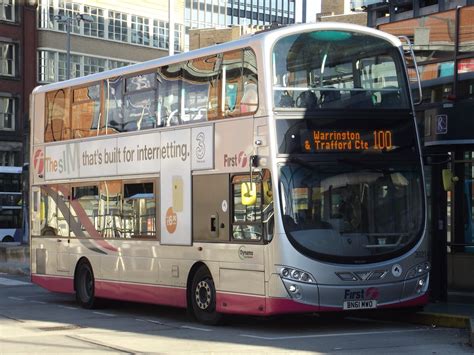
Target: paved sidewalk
point(450, 314)
point(14, 259)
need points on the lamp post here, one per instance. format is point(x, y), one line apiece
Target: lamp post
point(67, 21)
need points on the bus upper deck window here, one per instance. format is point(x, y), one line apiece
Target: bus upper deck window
point(86, 111)
point(57, 123)
point(140, 103)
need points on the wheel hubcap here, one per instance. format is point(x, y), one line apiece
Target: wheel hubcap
point(203, 295)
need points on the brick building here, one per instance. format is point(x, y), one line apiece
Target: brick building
point(17, 76)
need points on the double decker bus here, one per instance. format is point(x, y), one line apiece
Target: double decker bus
point(278, 173)
point(10, 204)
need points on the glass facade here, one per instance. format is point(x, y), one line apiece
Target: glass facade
point(109, 24)
point(222, 13)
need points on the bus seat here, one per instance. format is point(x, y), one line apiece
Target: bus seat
point(361, 99)
point(390, 99)
point(308, 100)
point(329, 98)
point(286, 100)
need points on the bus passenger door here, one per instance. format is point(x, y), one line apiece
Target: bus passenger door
point(211, 207)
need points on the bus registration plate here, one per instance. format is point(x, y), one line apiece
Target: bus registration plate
point(360, 304)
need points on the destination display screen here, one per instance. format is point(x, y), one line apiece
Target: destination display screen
point(348, 136)
point(326, 141)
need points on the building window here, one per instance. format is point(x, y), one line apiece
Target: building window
point(46, 14)
point(94, 65)
point(66, 8)
point(7, 113)
point(107, 24)
point(62, 66)
point(160, 34)
point(7, 10)
point(113, 64)
point(97, 27)
point(7, 59)
point(8, 158)
point(52, 65)
point(140, 30)
point(177, 37)
point(46, 67)
point(118, 29)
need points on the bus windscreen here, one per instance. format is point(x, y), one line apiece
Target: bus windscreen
point(322, 70)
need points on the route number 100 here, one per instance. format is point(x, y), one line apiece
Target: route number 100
point(382, 140)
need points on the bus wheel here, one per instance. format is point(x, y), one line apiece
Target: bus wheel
point(203, 298)
point(84, 283)
point(8, 239)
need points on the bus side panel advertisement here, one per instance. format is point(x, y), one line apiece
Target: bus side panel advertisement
point(234, 145)
point(106, 157)
point(61, 161)
point(138, 156)
point(202, 148)
point(176, 187)
point(98, 158)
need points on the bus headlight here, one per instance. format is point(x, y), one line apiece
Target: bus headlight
point(296, 275)
point(422, 284)
point(418, 270)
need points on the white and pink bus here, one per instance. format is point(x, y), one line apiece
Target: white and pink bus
point(278, 173)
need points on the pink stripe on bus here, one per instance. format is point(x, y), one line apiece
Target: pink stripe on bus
point(154, 294)
point(54, 283)
point(176, 297)
point(255, 305)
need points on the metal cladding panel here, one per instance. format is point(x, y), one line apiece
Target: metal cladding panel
point(242, 281)
point(450, 124)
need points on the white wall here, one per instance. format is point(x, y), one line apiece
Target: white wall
point(312, 8)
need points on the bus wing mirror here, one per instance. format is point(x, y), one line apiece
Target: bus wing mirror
point(249, 193)
point(448, 179)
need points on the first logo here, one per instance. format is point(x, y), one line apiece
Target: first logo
point(38, 161)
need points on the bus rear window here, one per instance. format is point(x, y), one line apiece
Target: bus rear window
point(337, 70)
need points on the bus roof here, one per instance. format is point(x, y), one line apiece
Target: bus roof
point(248, 41)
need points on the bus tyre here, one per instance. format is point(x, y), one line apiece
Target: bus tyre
point(84, 283)
point(203, 298)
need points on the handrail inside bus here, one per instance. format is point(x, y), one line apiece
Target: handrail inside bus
point(412, 53)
